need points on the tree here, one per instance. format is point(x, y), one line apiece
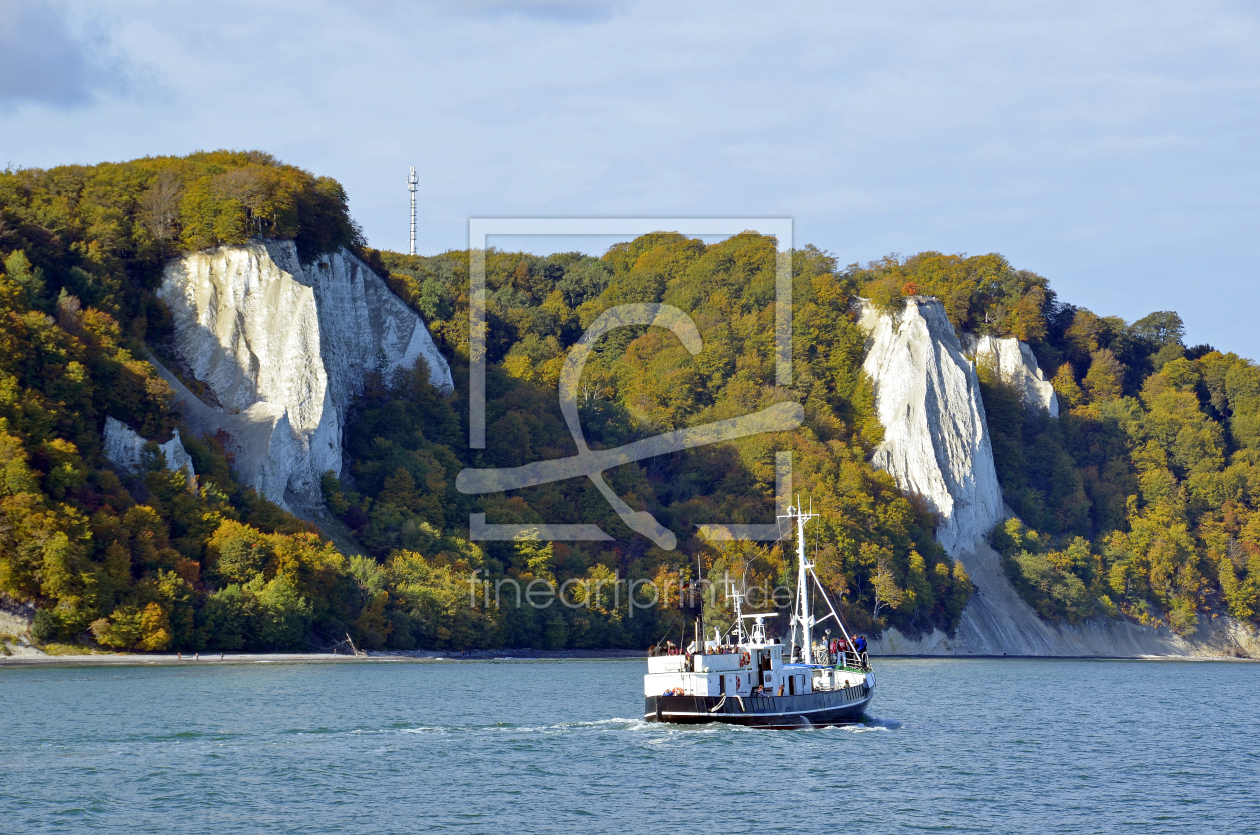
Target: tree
point(887, 592)
point(400, 489)
point(22, 283)
point(283, 613)
point(1065, 386)
point(535, 558)
point(1104, 380)
point(1163, 327)
point(159, 204)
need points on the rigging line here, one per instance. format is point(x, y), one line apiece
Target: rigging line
point(766, 546)
point(843, 628)
point(668, 629)
point(778, 539)
point(811, 615)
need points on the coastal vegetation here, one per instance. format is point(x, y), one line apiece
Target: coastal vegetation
point(1140, 499)
point(138, 561)
point(406, 444)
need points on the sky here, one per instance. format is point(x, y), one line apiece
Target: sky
point(1110, 147)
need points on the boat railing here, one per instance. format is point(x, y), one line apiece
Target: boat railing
point(849, 659)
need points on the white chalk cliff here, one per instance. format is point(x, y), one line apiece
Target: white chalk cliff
point(124, 448)
point(936, 441)
point(283, 348)
point(1015, 364)
point(936, 444)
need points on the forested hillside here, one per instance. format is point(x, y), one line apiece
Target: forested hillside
point(406, 445)
point(1140, 499)
point(142, 562)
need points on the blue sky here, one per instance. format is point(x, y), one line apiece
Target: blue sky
point(1108, 146)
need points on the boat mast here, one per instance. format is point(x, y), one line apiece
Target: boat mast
point(737, 600)
point(802, 589)
point(802, 616)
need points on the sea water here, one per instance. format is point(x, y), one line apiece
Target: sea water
point(560, 746)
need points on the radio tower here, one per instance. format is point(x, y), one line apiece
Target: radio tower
point(411, 186)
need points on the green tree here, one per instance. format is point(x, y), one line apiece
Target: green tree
point(283, 613)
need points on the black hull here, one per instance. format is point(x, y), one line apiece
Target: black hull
point(833, 707)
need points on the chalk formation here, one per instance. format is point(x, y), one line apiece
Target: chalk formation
point(282, 349)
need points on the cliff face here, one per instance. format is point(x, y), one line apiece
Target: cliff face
point(936, 444)
point(282, 348)
point(1015, 364)
point(124, 449)
point(936, 441)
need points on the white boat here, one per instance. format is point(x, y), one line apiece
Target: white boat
point(743, 678)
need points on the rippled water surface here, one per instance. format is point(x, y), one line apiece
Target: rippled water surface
point(519, 746)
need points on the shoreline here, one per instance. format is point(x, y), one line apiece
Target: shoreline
point(214, 658)
point(431, 656)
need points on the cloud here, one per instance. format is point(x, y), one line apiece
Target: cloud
point(44, 59)
point(560, 11)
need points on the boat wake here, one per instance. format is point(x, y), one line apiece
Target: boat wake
point(659, 731)
point(613, 724)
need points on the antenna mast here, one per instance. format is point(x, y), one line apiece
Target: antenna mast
point(412, 180)
point(737, 599)
point(801, 617)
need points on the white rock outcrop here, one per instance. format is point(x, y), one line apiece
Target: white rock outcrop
point(124, 448)
point(1015, 365)
point(936, 441)
point(284, 347)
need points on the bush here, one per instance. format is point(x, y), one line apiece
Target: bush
point(47, 626)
